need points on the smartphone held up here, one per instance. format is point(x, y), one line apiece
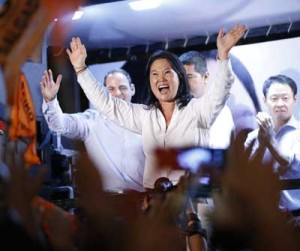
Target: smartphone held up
point(204, 165)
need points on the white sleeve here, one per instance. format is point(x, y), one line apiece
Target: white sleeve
point(211, 103)
point(222, 130)
point(123, 113)
point(294, 157)
point(74, 126)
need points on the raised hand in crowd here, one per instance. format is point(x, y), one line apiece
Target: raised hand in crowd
point(246, 210)
point(100, 226)
point(49, 88)
point(169, 221)
point(157, 228)
point(18, 191)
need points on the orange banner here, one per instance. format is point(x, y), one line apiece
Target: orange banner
point(23, 25)
point(23, 121)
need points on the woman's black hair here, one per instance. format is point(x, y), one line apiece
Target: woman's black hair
point(183, 94)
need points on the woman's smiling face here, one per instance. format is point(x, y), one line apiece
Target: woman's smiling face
point(164, 80)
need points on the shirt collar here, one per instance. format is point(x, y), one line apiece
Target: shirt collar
point(293, 122)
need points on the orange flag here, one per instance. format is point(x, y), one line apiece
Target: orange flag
point(23, 26)
point(23, 121)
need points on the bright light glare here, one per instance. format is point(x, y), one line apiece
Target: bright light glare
point(144, 4)
point(78, 14)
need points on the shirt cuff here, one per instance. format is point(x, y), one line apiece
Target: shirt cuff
point(46, 106)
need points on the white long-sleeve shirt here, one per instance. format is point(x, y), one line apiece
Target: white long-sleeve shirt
point(116, 152)
point(222, 129)
point(189, 126)
point(288, 138)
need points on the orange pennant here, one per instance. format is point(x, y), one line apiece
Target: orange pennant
point(23, 26)
point(23, 121)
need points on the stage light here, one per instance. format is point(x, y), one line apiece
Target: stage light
point(77, 14)
point(144, 4)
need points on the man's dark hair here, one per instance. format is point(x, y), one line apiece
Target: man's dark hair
point(183, 94)
point(282, 79)
point(125, 73)
point(194, 58)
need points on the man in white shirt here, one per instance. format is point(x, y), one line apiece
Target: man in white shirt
point(277, 139)
point(221, 131)
point(117, 152)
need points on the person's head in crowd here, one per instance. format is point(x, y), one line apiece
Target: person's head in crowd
point(166, 80)
point(119, 84)
point(196, 69)
point(280, 97)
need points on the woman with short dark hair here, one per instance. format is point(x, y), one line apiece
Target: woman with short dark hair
point(170, 118)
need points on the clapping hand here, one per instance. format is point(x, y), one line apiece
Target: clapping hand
point(266, 128)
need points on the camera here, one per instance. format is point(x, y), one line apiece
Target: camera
point(205, 165)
